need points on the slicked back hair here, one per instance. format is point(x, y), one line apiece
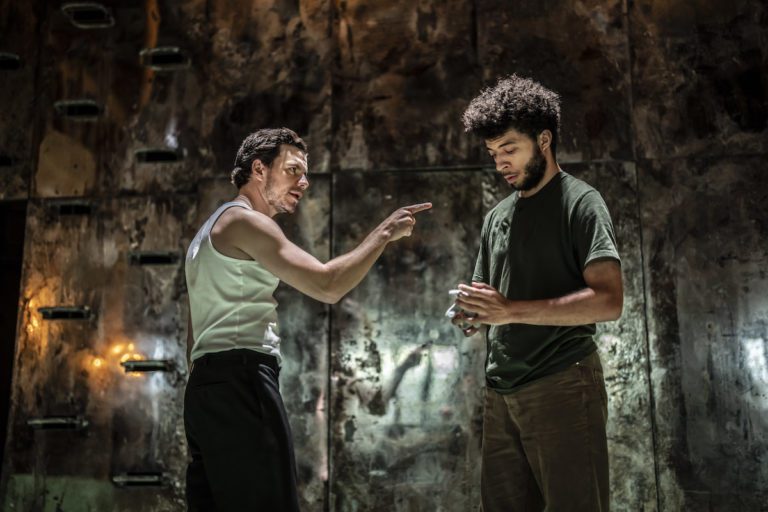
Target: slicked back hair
point(517, 103)
point(262, 145)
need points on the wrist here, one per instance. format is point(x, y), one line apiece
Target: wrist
point(382, 235)
point(513, 312)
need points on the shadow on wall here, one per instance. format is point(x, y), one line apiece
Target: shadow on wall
point(13, 216)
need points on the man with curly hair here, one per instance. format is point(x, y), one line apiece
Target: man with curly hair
point(547, 271)
point(235, 421)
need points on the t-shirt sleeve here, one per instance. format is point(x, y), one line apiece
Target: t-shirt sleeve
point(481, 264)
point(593, 230)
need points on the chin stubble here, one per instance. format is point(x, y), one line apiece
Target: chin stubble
point(534, 171)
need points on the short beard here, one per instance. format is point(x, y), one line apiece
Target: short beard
point(272, 200)
point(534, 171)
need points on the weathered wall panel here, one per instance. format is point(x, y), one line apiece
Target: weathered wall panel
point(406, 385)
point(72, 367)
point(405, 71)
point(623, 349)
point(579, 49)
point(75, 65)
point(266, 64)
point(704, 236)
point(377, 87)
point(18, 40)
point(154, 107)
point(699, 77)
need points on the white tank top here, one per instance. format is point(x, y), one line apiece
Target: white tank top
point(230, 300)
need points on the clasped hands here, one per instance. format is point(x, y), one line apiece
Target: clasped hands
point(481, 304)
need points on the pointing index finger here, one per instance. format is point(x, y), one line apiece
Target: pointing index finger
point(416, 208)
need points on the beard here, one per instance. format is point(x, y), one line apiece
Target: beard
point(275, 199)
point(533, 172)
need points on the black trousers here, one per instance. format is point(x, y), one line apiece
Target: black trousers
point(238, 436)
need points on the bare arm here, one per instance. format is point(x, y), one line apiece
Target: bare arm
point(262, 239)
point(601, 301)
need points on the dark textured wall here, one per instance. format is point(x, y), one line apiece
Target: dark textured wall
point(664, 111)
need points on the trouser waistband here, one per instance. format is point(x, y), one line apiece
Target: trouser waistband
point(236, 357)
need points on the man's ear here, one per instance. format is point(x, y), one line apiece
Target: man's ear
point(545, 140)
point(257, 170)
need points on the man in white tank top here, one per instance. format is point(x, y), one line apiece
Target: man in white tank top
point(235, 421)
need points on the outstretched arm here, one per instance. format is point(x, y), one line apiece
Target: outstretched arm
point(262, 239)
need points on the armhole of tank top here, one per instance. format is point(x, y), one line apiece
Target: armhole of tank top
point(216, 252)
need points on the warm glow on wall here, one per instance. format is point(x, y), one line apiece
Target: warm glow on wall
point(34, 321)
point(33, 325)
point(118, 352)
point(126, 351)
point(131, 357)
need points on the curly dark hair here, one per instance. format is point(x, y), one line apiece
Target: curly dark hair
point(514, 102)
point(262, 145)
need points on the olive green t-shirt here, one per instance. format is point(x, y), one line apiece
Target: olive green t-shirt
point(537, 248)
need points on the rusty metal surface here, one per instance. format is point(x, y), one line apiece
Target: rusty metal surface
point(72, 367)
point(405, 384)
point(580, 49)
point(622, 346)
point(376, 87)
point(704, 232)
point(699, 78)
point(379, 78)
point(18, 39)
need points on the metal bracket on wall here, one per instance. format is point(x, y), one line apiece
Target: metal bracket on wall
point(66, 313)
point(158, 155)
point(71, 207)
point(148, 365)
point(79, 110)
point(88, 15)
point(164, 58)
point(9, 61)
point(154, 258)
point(58, 423)
point(142, 479)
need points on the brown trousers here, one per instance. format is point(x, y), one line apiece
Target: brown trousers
point(544, 445)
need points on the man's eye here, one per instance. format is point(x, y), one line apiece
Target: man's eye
point(510, 151)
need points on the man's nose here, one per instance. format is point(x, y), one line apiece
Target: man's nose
point(304, 182)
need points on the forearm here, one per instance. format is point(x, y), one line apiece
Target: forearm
point(585, 306)
point(265, 242)
point(346, 271)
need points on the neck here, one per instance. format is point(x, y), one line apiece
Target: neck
point(550, 172)
point(255, 199)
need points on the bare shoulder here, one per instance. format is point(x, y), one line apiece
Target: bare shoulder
point(241, 221)
point(248, 232)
